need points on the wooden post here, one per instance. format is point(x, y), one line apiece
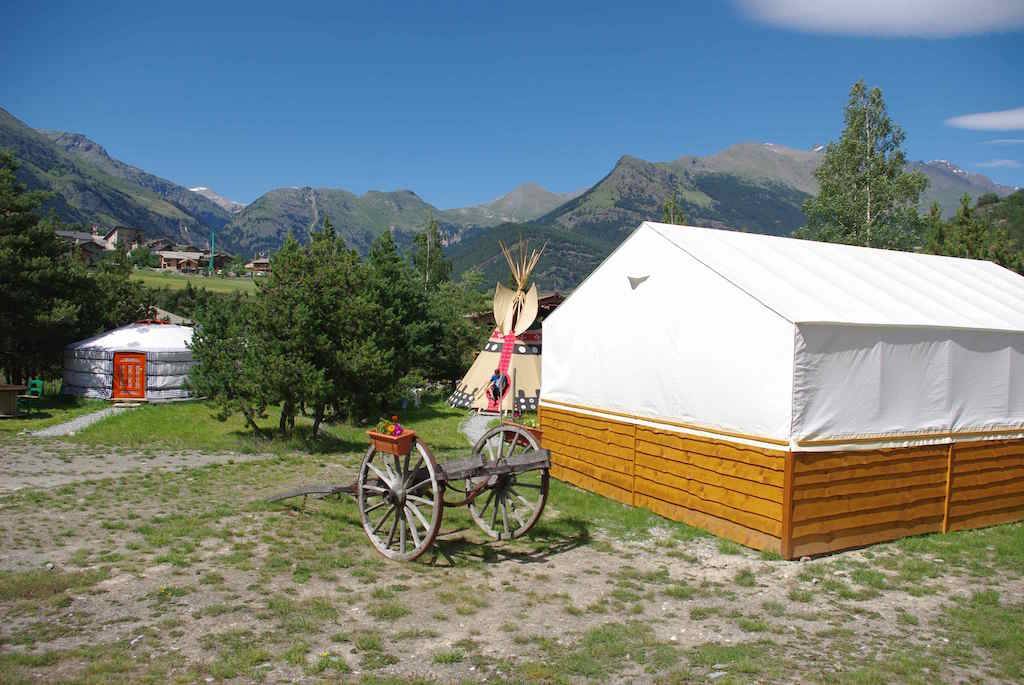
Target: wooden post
point(633, 467)
point(786, 541)
point(949, 488)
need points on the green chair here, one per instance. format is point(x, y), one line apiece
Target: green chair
point(33, 395)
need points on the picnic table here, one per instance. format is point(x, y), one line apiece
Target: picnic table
point(9, 399)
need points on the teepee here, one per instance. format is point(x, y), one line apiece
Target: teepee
point(512, 352)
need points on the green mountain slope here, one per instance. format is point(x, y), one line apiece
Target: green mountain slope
point(201, 208)
point(90, 189)
point(568, 258)
point(263, 225)
point(524, 203)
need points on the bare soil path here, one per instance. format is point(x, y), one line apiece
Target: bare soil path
point(166, 566)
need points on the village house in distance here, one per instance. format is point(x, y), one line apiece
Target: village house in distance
point(93, 245)
point(177, 257)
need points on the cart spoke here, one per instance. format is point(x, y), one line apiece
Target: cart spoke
point(394, 527)
point(412, 529)
point(419, 485)
point(379, 473)
point(525, 501)
point(401, 534)
point(504, 513)
point(384, 518)
point(375, 506)
point(421, 500)
point(490, 497)
point(415, 510)
point(494, 512)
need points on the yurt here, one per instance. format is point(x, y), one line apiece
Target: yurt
point(793, 396)
point(140, 361)
point(505, 376)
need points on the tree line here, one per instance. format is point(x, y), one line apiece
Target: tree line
point(328, 333)
point(868, 198)
point(48, 298)
point(337, 336)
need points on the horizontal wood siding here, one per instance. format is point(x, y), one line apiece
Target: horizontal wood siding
point(802, 503)
point(726, 488)
point(986, 484)
point(850, 499)
point(591, 453)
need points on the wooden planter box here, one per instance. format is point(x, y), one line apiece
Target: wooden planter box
point(535, 432)
point(392, 444)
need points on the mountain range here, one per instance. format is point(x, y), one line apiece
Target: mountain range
point(755, 187)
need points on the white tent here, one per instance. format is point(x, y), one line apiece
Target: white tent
point(806, 344)
point(139, 361)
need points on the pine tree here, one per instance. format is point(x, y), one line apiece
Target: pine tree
point(936, 238)
point(41, 284)
point(866, 197)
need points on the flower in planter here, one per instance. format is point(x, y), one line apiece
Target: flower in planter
point(392, 427)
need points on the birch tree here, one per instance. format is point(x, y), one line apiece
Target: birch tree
point(866, 196)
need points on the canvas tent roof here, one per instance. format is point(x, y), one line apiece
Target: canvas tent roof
point(792, 342)
point(808, 281)
point(140, 337)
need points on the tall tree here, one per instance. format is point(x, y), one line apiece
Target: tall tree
point(936, 231)
point(672, 212)
point(970, 235)
point(41, 283)
point(866, 196)
point(428, 259)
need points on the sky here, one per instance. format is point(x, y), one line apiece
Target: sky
point(462, 101)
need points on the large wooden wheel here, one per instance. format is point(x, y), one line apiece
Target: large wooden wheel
point(511, 503)
point(400, 501)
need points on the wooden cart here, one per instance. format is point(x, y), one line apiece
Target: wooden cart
point(402, 497)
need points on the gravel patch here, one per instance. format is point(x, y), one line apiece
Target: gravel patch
point(475, 426)
point(74, 425)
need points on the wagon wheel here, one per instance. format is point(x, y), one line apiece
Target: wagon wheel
point(512, 503)
point(400, 501)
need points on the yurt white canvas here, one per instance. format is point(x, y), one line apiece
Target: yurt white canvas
point(795, 396)
point(505, 376)
point(140, 361)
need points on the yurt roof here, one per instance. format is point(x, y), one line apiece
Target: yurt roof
point(805, 281)
point(140, 337)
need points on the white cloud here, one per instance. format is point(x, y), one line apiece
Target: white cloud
point(1005, 120)
point(1006, 141)
point(1000, 164)
point(889, 18)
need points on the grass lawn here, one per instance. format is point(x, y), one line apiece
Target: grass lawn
point(192, 425)
point(156, 279)
point(48, 411)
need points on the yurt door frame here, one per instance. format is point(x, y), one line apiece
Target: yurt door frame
point(129, 376)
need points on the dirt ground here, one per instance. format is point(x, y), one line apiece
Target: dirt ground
point(167, 567)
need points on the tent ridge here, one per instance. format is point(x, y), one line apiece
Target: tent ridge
point(719, 274)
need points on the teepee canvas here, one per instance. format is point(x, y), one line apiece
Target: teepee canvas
point(506, 374)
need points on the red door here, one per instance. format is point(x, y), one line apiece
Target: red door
point(129, 375)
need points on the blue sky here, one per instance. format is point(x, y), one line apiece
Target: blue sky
point(461, 101)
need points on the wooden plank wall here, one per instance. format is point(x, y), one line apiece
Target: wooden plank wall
point(729, 489)
point(850, 499)
point(801, 503)
point(986, 484)
point(595, 454)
